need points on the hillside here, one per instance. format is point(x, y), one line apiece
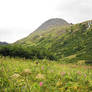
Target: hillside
point(64, 41)
point(48, 27)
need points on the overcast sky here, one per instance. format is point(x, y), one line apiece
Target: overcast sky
point(18, 18)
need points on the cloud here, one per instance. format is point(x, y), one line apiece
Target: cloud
point(79, 10)
point(13, 34)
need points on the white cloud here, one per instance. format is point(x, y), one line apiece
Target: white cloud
point(76, 10)
point(18, 18)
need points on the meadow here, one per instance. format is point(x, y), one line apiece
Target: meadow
point(25, 75)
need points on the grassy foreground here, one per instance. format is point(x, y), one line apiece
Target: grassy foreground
point(20, 75)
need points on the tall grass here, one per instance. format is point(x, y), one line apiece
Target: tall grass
point(19, 75)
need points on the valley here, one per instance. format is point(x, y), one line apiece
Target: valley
point(56, 57)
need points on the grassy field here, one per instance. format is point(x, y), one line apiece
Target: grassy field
point(20, 75)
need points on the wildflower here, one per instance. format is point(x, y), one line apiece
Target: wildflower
point(26, 72)
point(40, 76)
point(85, 75)
point(42, 68)
point(41, 83)
point(79, 73)
point(52, 71)
point(63, 73)
point(15, 76)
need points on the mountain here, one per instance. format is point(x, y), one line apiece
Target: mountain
point(71, 43)
point(3, 43)
point(47, 27)
point(52, 23)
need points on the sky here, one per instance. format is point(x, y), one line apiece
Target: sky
point(19, 18)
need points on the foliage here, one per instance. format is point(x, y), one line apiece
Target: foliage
point(64, 41)
point(19, 75)
point(26, 52)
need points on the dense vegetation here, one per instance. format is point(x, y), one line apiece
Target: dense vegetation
point(26, 52)
point(77, 41)
point(64, 41)
point(19, 75)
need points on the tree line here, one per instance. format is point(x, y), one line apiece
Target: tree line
point(27, 52)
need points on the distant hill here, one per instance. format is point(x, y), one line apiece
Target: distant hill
point(3, 43)
point(73, 42)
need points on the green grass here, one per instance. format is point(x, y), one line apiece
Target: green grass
point(20, 75)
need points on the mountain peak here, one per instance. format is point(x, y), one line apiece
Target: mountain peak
point(52, 22)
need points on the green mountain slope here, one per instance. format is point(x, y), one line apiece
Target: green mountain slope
point(64, 40)
point(46, 29)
